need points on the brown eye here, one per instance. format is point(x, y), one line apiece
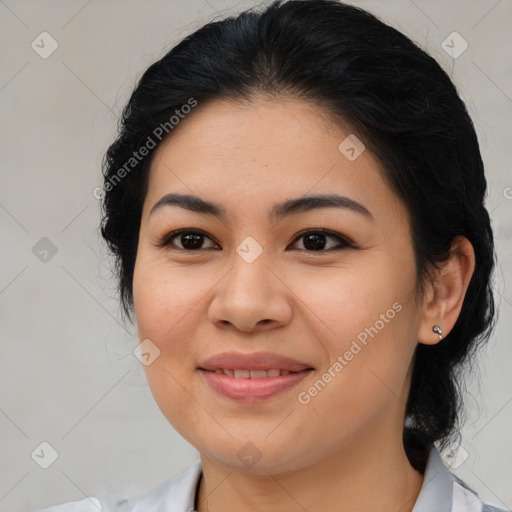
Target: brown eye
point(316, 241)
point(190, 240)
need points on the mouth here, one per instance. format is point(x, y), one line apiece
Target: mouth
point(252, 378)
point(252, 365)
point(251, 390)
point(251, 374)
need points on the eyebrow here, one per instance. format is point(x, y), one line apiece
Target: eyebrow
point(277, 212)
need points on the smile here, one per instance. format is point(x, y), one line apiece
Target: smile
point(242, 386)
point(252, 374)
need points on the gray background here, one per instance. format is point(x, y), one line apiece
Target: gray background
point(68, 375)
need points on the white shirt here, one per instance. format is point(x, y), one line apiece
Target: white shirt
point(441, 491)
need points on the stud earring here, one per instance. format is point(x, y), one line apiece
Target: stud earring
point(438, 331)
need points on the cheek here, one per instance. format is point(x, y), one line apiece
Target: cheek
point(366, 316)
point(168, 311)
point(164, 299)
point(167, 306)
point(352, 300)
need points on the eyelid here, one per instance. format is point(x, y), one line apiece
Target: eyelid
point(165, 241)
point(345, 242)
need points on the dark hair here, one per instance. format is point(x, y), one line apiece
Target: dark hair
point(392, 94)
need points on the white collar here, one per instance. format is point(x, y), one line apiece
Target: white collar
point(176, 495)
point(441, 491)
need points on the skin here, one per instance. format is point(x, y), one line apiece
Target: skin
point(343, 450)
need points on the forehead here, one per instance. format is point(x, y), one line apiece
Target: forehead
point(249, 152)
point(221, 125)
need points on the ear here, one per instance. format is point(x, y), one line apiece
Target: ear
point(445, 293)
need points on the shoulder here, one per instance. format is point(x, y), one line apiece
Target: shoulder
point(466, 499)
point(85, 505)
point(109, 503)
point(177, 494)
point(443, 491)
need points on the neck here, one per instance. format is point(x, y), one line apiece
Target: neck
point(375, 475)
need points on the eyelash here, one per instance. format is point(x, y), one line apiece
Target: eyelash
point(345, 243)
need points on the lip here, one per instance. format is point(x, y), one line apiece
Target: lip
point(254, 361)
point(252, 390)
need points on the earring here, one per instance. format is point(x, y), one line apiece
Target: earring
point(438, 331)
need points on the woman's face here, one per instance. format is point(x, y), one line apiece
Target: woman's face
point(262, 279)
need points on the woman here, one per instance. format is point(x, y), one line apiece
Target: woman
point(296, 204)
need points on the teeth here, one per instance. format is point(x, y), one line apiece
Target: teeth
point(253, 374)
point(258, 374)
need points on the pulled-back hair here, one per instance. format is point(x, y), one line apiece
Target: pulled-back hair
point(399, 102)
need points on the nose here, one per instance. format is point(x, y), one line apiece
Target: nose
point(251, 297)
